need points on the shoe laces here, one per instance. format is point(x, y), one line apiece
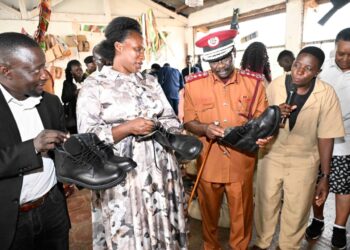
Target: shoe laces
point(86, 156)
point(101, 145)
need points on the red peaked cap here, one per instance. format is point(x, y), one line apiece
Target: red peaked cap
point(217, 45)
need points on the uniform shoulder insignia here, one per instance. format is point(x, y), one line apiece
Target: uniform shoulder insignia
point(196, 76)
point(251, 74)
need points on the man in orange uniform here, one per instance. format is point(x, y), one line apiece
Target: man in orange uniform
point(214, 100)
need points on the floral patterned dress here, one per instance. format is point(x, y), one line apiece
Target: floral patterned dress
point(147, 210)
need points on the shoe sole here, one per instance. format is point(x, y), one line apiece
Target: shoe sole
point(338, 248)
point(316, 237)
point(92, 187)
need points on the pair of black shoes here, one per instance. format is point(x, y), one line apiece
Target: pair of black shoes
point(243, 138)
point(315, 230)
point(185, 147)
point(85, 160)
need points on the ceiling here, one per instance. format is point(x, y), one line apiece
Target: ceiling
point(179, 6)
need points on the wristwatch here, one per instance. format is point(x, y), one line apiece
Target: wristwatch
point(324, 175)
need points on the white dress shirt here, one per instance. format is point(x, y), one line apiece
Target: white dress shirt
point(340, 81)
point(40, 181)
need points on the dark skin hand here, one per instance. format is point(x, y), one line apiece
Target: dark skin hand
point(214, 131)
point(138, 126)
point(285, 111)
point(48, 139)
point(325, 147)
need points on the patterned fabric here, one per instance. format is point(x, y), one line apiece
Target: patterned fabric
point(339, 180)
point(147, 210)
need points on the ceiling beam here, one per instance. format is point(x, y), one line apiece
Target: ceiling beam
point(270, 10)
point(180, 8)
point(165, 11)
point(102, 20)
point(23, 8)
point(35, 12)
point(13, 12)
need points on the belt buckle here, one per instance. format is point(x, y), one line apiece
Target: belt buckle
point(33, 204)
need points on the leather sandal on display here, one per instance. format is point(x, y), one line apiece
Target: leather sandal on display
point(80, 161)
point(244, 137)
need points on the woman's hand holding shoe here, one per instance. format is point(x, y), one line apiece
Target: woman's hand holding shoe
point(141, 126)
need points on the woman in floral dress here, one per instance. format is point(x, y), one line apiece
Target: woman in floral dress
point(118, 104)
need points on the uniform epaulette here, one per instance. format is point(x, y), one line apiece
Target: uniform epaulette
point(251, 74)
point(196, 76)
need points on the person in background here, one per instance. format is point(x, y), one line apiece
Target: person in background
point(33, 211)
point(50, 83)
point(214, 100)
point(285, 59)
point(189, 69)
point(336, 72)
point(256, 59)
point(198, 64)
point(90, 66)
point(71, 87)
point(172, 82)
point(290, 162)
point(103, 55)
point(155, 67)
point(120, 106)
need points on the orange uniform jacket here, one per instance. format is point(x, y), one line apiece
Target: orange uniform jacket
point(208, 99)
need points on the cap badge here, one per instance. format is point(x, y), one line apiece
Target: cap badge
point(214, 41)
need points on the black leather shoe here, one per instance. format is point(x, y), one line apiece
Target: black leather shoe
point(106, 151)
point(80, 163)
point(244, 137)
point(186, 147)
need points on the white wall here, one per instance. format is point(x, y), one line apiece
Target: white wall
point(67, 16)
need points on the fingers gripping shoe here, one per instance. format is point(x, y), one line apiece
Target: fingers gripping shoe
point(79, 163)
point(186, 147)
point(106, 151)
point(244, 137)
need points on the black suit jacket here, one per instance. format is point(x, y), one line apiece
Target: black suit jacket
point(17, 158)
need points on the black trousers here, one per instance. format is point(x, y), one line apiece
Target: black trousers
point(45, 227)
point(175, 105)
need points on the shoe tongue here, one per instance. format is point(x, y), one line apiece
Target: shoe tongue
point(73, 146)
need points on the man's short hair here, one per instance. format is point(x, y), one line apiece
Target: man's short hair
point(12, 41)
point(89, 59)
point(155, 66)
point(343, 35)
point(285, 53)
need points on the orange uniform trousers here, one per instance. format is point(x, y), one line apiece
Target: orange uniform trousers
point(240, 203)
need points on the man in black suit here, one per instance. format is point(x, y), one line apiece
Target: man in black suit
point(33, 210)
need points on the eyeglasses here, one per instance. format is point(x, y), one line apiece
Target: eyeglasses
point(225, 61)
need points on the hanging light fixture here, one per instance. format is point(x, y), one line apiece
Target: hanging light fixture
point(194, 3)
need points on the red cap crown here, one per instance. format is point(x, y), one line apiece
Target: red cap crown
point(215, 39)
point(217, 45)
